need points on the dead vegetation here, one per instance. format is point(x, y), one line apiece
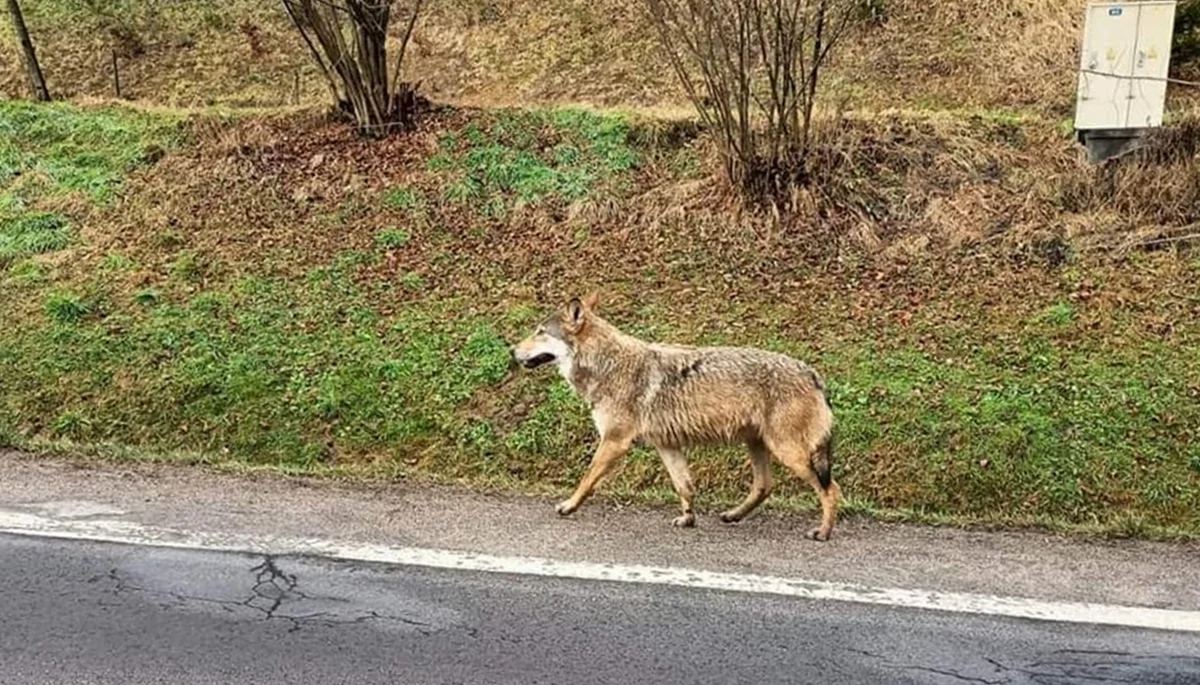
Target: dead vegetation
point(1149, 198)
point(889, 190)
point(913, 55)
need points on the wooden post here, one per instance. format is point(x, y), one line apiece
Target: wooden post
point(32, 69)
point(116, 74)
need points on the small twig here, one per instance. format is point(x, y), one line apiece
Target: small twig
point(1126, 246)
point(1174, 239)
point(408, 31)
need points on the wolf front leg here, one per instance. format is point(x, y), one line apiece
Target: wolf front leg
point(610, 451)
point(681, 478)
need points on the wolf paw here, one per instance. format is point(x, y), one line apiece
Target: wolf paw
point(684, 521)
point(730, 517)
point(565, 508)
point(818, 535)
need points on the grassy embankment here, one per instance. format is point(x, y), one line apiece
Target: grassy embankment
point(262, 290)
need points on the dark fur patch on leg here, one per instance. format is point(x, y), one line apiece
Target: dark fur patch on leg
point(822, 461)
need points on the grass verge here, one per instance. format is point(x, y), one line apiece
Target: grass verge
point(1063, 397)
point(56, 159)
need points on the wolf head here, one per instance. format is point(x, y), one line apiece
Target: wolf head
point(555, 338)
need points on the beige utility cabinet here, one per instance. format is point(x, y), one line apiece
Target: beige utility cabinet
point(1123, 67)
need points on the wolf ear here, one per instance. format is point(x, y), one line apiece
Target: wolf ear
point(575, 310)
point(592, 300)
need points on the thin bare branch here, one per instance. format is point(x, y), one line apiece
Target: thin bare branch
point(752, 69)
point(408, 30)
point(348, 41)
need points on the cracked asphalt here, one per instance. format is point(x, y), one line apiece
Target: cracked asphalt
point(87, 612)
point(1032, 564)
point(95, 613)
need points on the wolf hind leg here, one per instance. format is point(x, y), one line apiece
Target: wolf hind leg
point(800, 461)
point(760, 485)
point(681, 478)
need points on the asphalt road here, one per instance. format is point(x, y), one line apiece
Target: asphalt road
point(1032, 564)
point(85, 612)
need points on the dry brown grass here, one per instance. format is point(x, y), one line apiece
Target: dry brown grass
point(894, 186)
point(1148, 198)
point(1016, 53)
point(904, 187)
point(892, 190)
point(924, 55)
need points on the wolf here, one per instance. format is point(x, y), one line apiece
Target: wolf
point(674, 397)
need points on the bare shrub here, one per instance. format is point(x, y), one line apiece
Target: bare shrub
point(752, 69)
point(348, 41)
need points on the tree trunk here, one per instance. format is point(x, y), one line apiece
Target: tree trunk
point(348, 41)
point(32, 69)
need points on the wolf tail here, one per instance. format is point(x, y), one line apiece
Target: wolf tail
point(822, 460)
point(822, 455)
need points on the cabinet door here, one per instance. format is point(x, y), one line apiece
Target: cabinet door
point(1148, 87)
point(1107, 56)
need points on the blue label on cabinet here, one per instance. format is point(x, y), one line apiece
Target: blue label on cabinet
point(1115, 11)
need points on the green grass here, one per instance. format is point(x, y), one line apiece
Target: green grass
point(67, 308)
point(32, 233)
point(532, 157)
point(392, 238)
point(60, 148)
point(1070, 435)
point(51, 151)
point(1040, 417)
point(404, 199)
point(306, 374)
point(267, 370)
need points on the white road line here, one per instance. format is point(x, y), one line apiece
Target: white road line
point(128, 532)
